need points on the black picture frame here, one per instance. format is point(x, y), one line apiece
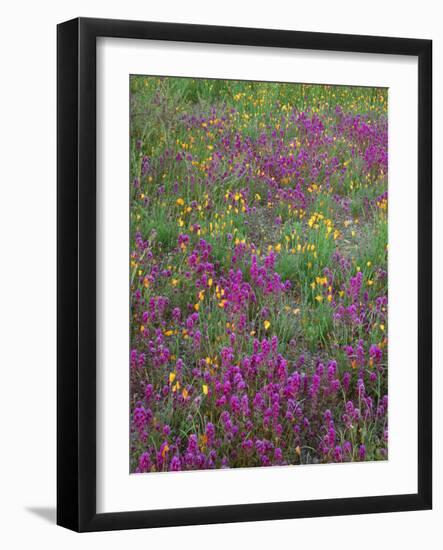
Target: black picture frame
point(76, 274)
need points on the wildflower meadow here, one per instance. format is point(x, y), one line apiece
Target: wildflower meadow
point(258, 274)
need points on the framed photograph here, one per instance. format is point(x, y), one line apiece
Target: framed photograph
point(244, 274)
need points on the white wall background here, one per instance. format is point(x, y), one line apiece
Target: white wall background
point(27, 272)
